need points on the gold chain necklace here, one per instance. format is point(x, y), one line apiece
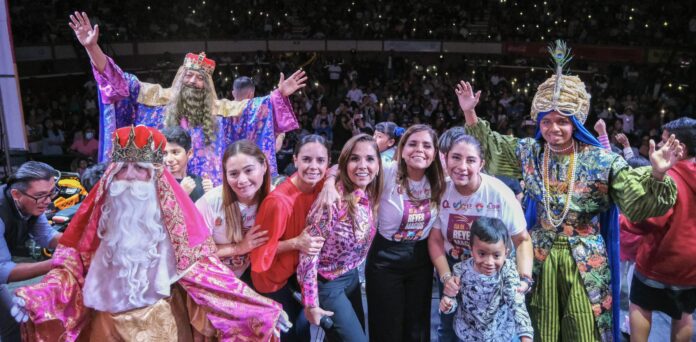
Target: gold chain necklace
point(571, 187)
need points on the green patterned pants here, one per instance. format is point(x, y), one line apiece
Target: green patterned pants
point(560, 309)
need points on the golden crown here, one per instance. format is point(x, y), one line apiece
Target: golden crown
point(142, 144)
point(199, 62)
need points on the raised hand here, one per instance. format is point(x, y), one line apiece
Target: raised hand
point(665, 157)
point(85, 33)
point(292, 84)
point(600, 127)
point(207, 184)
point(623, 140)
point(188, 184)
point(466, 96)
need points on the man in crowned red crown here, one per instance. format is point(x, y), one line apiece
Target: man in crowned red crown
point(137, 263)
point(190, 102)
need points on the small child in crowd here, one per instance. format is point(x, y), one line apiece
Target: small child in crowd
point(490, 307)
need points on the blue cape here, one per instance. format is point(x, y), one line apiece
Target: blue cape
point(608, 223)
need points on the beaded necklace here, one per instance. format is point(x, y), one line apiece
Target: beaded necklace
point(571, 187)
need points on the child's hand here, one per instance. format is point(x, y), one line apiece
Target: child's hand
point(207, 184)
point(188, 184)
point(447, 305)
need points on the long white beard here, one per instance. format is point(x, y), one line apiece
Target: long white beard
point(131, 254)
point(130, 229)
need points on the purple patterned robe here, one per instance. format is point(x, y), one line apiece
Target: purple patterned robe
point(259, 119)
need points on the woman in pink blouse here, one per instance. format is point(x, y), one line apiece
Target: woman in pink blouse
point(329, 281)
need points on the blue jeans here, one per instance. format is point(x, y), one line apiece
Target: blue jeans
point(445, 332)
point(300, 326)
point(343, 297)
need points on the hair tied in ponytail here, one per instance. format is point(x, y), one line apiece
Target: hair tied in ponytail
point(398, 132)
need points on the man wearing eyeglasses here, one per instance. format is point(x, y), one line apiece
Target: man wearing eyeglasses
point(23, 202)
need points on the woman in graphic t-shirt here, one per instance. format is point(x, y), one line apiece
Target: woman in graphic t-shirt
point(398, 272)
point(469, 195)
point(230, 209)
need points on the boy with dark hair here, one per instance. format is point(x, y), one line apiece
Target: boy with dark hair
point(490, 307)
point(177, 153)
point(665, 274)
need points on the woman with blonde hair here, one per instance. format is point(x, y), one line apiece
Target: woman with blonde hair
point(230, 209)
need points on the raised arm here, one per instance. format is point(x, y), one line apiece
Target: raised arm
point(498, 149)
point(112, 82)
point(646, 192)
point(88, 36)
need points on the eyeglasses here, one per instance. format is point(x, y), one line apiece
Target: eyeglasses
point(51, 196)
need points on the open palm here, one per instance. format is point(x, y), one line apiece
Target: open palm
point(292, 84)
point(466, 96)
point(85, 33)
point(667, 155)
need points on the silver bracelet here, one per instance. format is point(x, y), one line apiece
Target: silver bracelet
point(445, 277)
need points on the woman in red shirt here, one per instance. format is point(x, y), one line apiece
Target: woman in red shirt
point(283, 214)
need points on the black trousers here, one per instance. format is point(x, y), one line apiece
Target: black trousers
point(286, 297)
point(399, 280)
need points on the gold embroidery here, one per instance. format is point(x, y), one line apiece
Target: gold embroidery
point(153, 94)
point(227, 108)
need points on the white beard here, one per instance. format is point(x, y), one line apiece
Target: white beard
point(134, 262)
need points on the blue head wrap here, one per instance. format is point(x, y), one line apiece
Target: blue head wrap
point(608, 222)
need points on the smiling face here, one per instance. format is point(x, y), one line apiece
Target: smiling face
point(194, 79)
point(488, 257)
point(464, 164)
point(176, 159)
point(363, 164)
point(245, 176)
point(418, 151)
point(311, 162)
point(556, 129)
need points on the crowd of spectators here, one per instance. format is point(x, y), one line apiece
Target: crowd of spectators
point(581, 21)
point(347, 96)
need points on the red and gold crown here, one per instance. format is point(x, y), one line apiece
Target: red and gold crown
point(138, 144)
point(199, 62)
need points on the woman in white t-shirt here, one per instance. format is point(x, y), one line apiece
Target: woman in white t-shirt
point(230, 209)
point(398, 271)
point(469, 194)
